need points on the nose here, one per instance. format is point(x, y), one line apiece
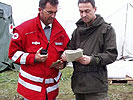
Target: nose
point(53, 15)
point(84, 14)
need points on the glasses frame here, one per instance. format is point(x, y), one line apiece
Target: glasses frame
point(49, 12)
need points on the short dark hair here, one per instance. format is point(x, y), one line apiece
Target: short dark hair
point(42, 3)
point(86, 1)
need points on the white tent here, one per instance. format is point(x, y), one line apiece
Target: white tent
point(122, 21)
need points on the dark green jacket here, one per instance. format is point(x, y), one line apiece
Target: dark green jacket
point(99, 41)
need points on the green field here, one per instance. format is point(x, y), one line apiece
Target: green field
point(8, 85)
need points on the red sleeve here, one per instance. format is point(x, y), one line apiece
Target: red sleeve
point(16, 50)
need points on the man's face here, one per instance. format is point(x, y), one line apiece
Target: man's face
point(48, 14)
point(87, 12)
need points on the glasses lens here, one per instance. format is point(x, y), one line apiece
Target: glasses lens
point(49, 12)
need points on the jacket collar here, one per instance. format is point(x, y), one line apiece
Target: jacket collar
point(56, 27)
point(98, 21)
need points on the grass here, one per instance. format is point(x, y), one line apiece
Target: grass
point(8, 85)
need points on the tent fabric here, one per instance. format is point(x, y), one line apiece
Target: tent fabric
point(122, 21)
point(120, 69)
point(5, 36)
point(128, 49)
point(5, 10)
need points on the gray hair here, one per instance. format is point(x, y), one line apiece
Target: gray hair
point(42, 3)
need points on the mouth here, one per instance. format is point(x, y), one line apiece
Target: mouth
point(50, 20)
point(84, 19)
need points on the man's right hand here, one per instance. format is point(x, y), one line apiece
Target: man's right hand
point(63, 57)
point(39, 57)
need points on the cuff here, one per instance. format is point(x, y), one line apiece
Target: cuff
point(94, 60)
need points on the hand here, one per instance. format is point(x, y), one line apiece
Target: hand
point(63, 57)
point(39, 57)
point(58, 64)
point(84, 59)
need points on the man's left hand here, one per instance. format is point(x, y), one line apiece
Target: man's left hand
point(84, 59)
point(58, 65)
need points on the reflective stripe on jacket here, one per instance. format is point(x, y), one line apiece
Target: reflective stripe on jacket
point(37, 78)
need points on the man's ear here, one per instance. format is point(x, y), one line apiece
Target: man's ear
point(39, 9)
point(95, 9)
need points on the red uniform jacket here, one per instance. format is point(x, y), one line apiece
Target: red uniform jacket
point(37, 78)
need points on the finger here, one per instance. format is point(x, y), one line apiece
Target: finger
point(61, 61)
point(61, 67)
point(43, 59)
point(78, 59)
point(38, 51)
point(44, 56)
point(63, 57)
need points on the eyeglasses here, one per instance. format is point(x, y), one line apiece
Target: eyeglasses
point(50, 12)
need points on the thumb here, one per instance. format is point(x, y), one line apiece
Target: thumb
point(38, 51)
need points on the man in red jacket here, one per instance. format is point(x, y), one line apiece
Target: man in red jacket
point(36, 49)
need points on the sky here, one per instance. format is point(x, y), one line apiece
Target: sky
point(68, 10)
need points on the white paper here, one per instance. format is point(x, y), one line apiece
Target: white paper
point(72, 55)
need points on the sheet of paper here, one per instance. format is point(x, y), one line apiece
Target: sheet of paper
point(72, 55)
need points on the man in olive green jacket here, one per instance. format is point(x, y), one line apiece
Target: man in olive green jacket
point(98, 41)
